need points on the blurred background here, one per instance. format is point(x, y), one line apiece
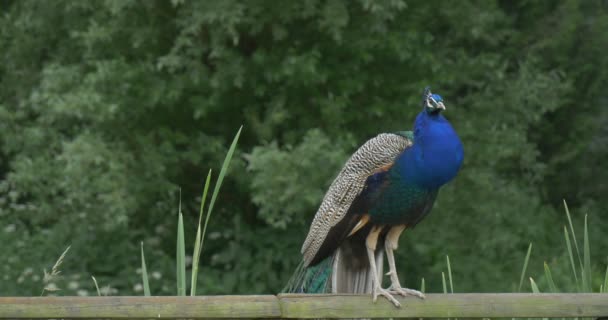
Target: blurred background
point(108, 108)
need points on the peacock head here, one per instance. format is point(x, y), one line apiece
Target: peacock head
point(432, 103)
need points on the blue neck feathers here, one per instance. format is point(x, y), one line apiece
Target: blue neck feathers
point(436, 155)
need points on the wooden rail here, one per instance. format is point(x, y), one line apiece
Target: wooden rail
point(292, 306)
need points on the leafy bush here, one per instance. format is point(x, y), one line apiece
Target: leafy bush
point(107, 108)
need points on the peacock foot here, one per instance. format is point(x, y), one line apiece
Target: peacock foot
point(378, 291)
point(406, 292)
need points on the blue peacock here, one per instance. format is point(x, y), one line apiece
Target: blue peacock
point(388, 185)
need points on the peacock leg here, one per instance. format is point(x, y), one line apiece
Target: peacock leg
point(370, 243)
point(390, 244)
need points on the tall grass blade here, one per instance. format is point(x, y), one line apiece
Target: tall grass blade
point(534, 286)
point(144, 273)
point(197, 244)
point(535, 290)
point(181, 256)
point(525, 268)
point(552, 286)
point(450, 273)
point(445, 289)
point(585, 283)
point(423, 285)
point(422, 289)
point(219, 181)
point(587, 257)
point(195, 261)
point(96, 286)
point(578, 253)
point(571, 256)
point(605, 280)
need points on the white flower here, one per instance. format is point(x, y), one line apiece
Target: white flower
point(138, 287)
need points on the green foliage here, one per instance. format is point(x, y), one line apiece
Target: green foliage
point(590, 280)
point(292, 180)
point(180, 260)
point(108, 107)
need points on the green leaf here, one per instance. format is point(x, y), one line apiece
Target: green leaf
point(197, 244)
point(606, 280)
point(423, 285)
point(144, 274)
point(525, 267)
point(571, 256)
point(181, 256)
point(96, 286)
point(587, 260)
point(219, 181)
point(445, 288)
point(225, 166)
point(573, 235)
point(534, 286)
point(552, 286)
point(449, 273)
point(535, 289)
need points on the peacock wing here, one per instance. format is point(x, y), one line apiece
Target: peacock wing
point(376, 154)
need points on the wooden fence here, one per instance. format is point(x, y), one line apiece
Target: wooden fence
point(293, 306)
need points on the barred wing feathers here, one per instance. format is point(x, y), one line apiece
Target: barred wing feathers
point(371, 157)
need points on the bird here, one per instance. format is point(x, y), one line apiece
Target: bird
point(387, 186)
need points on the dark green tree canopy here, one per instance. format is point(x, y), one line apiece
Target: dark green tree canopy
point(107, 108)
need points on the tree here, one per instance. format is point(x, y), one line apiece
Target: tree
point(108, 108)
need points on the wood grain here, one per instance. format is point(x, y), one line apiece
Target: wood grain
point(298, 306)
point(203, 307)
point(471, 305)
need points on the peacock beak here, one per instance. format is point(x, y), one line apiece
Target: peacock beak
point(434, 104)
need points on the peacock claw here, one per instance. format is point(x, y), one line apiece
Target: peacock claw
point(406, 292)
point(385, 293)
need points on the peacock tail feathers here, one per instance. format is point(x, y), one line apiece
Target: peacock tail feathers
point(334, 274)
point(313, 279)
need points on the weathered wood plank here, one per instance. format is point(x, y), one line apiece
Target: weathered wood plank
point(307, 306)
point(207, 307)
point(472, 305)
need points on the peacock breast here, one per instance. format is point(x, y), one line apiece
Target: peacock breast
point(402, 203)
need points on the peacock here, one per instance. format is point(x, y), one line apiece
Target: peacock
point(388, 185)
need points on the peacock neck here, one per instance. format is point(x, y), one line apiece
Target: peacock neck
point(436, 155)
